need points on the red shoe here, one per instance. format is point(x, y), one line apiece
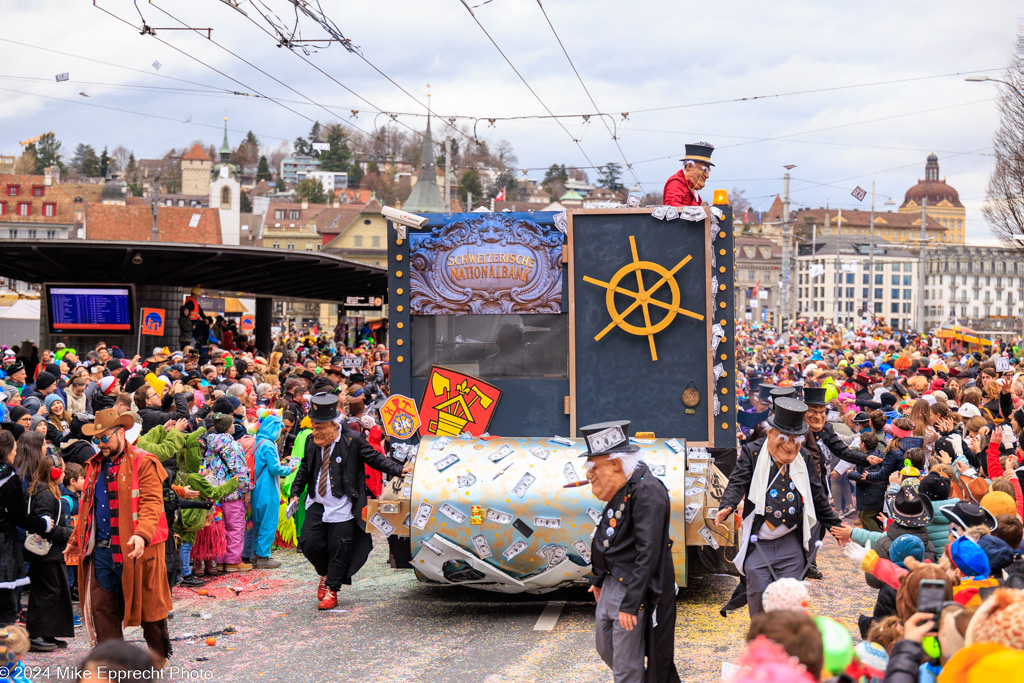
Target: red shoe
point(330, 600)
point(321, 590)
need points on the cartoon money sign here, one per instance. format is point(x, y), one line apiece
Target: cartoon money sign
point(454, 403)
point(400, 417)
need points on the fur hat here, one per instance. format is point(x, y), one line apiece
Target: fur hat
point(786, 594)
point(1000, 619)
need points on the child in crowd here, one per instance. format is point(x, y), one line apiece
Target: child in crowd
point(70, 491)
point(870, 494)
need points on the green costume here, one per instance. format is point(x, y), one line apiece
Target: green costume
point(298, 451)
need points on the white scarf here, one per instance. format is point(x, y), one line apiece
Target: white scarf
point(759, 490)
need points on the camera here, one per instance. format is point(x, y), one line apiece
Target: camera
point(401, 217)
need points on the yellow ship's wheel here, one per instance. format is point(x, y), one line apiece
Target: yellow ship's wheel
point(643, 297)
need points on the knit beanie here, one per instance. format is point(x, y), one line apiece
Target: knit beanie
point(45, 380)
point(106, 384)
point(51, 399)
point(999, 503)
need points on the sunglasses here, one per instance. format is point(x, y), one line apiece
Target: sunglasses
point(103, 439)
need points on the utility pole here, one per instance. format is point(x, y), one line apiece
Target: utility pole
point(871, 256)
point(923, 240)
point(787, 250)
point(447, 173)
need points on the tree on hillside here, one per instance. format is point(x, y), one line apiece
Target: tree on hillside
point(506, 180)
point(119, 158)
point(170, 177)
point(355, 174)
point(337, 158)
point(263, 172)
point(381, 184)
point(47, 152)
point(579, 174)
point(504, 155)
point(470, 186)
point(1004, 209)
point(104, 163)
point(85, 161)
point(245, 204)
point(610, 176)
point(310, 189)
point(554, 181)
point(248, 153)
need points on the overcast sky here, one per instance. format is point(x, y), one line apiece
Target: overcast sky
point(631, 55)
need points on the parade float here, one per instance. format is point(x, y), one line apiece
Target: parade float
point(510, 331)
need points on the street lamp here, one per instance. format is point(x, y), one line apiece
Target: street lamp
point(983, 79)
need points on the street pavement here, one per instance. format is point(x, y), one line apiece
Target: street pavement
point(390, 627)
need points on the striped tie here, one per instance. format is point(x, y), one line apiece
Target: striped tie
point(321, 487)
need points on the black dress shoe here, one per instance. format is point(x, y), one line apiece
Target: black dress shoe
point(814, 573)
point(191, 580)
point(40, 645)
point(61, 644)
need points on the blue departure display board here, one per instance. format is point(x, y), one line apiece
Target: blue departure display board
point(90, 309)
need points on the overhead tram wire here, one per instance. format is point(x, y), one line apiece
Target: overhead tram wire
point(192, 92)
point(283, 40)
point(528, 87)
point(196, 59)
point(271, 77)
point(614, 136)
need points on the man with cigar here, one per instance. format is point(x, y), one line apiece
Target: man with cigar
point(783, 500)
point(633, 577)
point(681, 189)
point(333, 536)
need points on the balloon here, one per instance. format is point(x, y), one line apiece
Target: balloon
point(837, 643)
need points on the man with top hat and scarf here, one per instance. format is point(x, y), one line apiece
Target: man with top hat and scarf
point(333, 536)
point(681, 189)
point(783, 499)
point(824, 445)
point(119, 540)
point(633, 577)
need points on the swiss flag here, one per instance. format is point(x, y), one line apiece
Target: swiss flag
point(501, 196)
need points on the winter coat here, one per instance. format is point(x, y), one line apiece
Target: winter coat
point(151, 417)
point(938, 530)
point(870, 494)
point(893, 461)
point(77, 451)
point(46, 504)
point(904, 662)
point(147, 596)
point(100, 401)
point(225, 460)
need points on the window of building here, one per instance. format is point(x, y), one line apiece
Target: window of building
point(849, 292)
point(375, 241)
point(866, 280)
point(32, 234)
point(24, 209)
point(3, 208)
point(276, 245)
point(37, 190)
point(895, 279)
point(999, 281)
point(878, 279)
point(988, 296)
point(293, 214)
point(878, 294)
point(906, 308)
point(52, 234)
point(279, 214)
point(864, 295)
point(13, 190)
point(225, 198)
point(878, 307)
point(906, 280)
point(290, 246)
point(49, 209)
point(14, 234)
point(895, 308)
point(849, 278)
point(895, 294)
point(357, 240)
point(999, 295)
point(906, 293)
point(879, 267)
point(974, 311)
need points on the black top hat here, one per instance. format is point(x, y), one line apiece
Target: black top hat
point(323, 408)
point(699, 151)
point(754, 383)
point(788, 417)
point(814, 396)
point(783, 392)
point(605, 438)
point(910, 508)
point(966, 515)
point(764, 392)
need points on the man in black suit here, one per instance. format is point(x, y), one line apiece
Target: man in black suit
point(783, 499)
point(334, 537)
point(633, 577)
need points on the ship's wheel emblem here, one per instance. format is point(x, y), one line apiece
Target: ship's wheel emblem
point(643, 297)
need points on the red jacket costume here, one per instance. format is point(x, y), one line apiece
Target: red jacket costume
point(679, 193)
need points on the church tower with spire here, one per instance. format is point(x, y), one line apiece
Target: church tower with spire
point(225, 194)
point(425, 196)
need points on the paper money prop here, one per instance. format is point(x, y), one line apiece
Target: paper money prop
point(501, 453)
point(422, 516)
point(497, 516)
point(594, 515)
point(552, 554)
point(524, 483)
point(482, 549)
point(446, 462)
point(383, 525)
point(583, 548)
point(513, 550)
point(454, 403)
point(539, 452)
point(466, 480)
point(548, 522)
point(452, 513)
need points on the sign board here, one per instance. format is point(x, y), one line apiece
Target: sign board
point(352, 362)
point(209, 303)
point(454, 403)
point(1002, 364)
point(400, 417)
point(491, 263)
point(247, 323)
point(153, 321)
point(361, 303)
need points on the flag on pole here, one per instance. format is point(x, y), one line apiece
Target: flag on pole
point(501, 196)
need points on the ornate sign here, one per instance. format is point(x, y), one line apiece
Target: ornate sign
point(454, 403)
point(490, 264)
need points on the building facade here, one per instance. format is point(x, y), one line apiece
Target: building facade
point(834, 282)
point(758, 265)
point(331, 180)
point(981, 287)
point(298, 167)
point(942, 202)
point(196, 170)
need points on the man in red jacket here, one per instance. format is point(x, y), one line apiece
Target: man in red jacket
point(681, 189)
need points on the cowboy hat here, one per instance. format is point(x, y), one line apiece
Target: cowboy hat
point(107, 419)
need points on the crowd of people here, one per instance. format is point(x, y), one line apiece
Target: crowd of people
point(905, 449)
point(123, 478)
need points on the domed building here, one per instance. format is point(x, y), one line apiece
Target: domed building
point(941, 201)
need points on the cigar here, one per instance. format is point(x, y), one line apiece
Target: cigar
point(581, 482)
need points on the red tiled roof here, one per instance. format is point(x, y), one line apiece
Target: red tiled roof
point(64, 212)
point(197, 153)
point(856, 218)
point(354, 196)
point(133, 223)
